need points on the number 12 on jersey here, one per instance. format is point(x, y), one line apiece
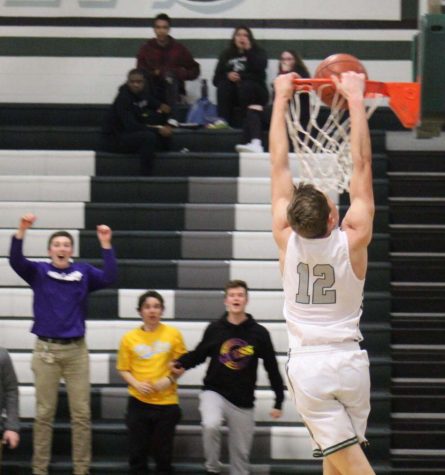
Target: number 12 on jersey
point(324, 280)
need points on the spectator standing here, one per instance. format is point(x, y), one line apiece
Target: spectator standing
point(138, 121)
point(234, 344)
point(153, 412)
point(61, 289)
point(167, 63)
point(240, 79)
point(9, 404)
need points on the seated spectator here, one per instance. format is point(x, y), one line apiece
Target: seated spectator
point(144, 359)
point(138, 120)
point(291, 62)
point(167, 64)
point(240, 79)
point(9, 404)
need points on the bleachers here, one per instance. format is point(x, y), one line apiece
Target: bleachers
point(416, 181)
point(203, 218)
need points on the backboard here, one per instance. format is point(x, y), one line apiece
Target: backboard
point(429, 70)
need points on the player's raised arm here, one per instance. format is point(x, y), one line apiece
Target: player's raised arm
point(358, 219)
point(281, 177)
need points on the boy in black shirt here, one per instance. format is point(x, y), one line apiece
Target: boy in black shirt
point(138, 120)
point(234, 344)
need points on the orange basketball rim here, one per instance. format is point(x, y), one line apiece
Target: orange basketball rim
point(404, 97)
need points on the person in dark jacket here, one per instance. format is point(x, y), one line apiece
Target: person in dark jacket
point(234, 344)
point(240, 79)
point(138, 120)
point(167, 63)
point(9, 404)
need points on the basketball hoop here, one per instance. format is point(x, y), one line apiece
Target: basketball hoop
point(323, 149)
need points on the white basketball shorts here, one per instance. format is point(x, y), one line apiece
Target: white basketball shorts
point(330, 386)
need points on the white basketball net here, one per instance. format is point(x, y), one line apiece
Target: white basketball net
point(322, 149)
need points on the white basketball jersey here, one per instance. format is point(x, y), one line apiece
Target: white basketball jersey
point(323, 296)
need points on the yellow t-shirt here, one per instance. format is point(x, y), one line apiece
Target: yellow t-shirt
point(146, 355)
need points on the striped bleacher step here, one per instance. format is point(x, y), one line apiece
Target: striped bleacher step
point(406, 210)
point(417, 184)
point(134, 189)
point(91, 138)
point(418, 296)
point(258, 165)
point(417, 238)
point(405, 141)
point(44, 188)
point(146, 189)
point(201, 274)
point(183, 304)
point(417, 461)
point(109, 403)
point(174, 244)
point(47, 162)
point(50, 138)
point(196, 164)
point(198, 217)
point(416, 161)
point(168, 164)
point(108, 465)
point(103, 370)
point(425, 362)
point(53, 114)
point(418, 266)
point(162, 217)
point(270, 443)
point(418, 434)
point(52, 215)
point(418, 328)
point(105, 335)
point(197, 190)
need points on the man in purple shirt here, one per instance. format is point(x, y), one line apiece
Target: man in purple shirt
point(61, 289)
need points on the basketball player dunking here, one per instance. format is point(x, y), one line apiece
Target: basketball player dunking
point(323, 268)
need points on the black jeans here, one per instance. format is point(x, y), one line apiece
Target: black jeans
point(145, 143)
point(241, 94)
point(253, 125)
point(151, 429)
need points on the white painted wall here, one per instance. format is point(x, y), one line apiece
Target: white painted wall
point(314, 9)
point(95, 80)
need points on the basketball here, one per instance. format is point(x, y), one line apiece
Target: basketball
point(335, 65)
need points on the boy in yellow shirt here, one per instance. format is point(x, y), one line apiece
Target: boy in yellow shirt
point(153, 406)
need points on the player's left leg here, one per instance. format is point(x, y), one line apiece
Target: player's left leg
point(329, 468)
point(350, 461)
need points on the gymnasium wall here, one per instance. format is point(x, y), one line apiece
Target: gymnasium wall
point(78, 51)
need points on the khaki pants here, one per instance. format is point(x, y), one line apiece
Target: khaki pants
point(50, 363)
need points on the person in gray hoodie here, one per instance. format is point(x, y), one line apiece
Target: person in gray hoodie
point(9, 403)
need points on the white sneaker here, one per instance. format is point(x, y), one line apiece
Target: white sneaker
point(250, 147)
